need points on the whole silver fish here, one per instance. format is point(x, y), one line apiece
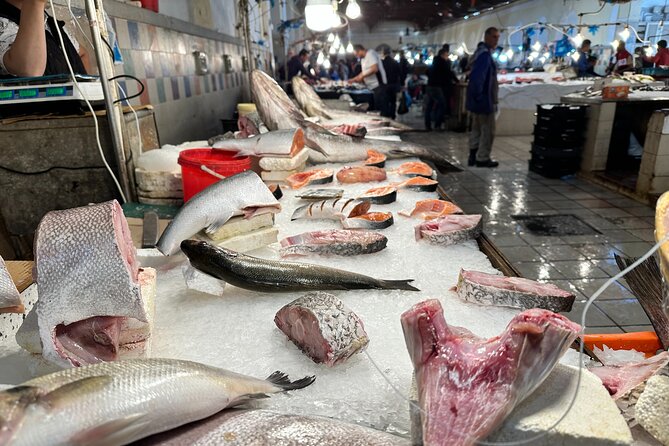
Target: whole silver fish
point(116, 403)
point(10, 299)
point(267, 428)
point(255, 274)
point(278, 143)
point(337, 209)
point(241, 194)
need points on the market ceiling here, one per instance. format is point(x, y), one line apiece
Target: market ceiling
point(425, 14)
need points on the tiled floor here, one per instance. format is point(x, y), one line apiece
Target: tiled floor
point(579, 263)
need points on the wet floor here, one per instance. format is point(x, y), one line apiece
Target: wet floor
point(581, 263)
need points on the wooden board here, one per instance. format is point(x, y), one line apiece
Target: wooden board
point(21, 272)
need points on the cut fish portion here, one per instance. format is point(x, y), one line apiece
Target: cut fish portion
point(380, 195)
point(420, 184)
point(432, 209)
point(338, 209)
point(415, 169)
point(333, 242)
point(493, 289)
point(322, 327)
point(371, 220)
point(375, 159)
point(467, 385)
point(361, 174)
point(10, 299)
point(620, 379)
point(450, 230)
point(278, 143)
point(321, 194)
point(356, 130)
point(318, 176)
point(276, 191)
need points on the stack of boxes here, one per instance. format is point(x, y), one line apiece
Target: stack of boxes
point(276, 170)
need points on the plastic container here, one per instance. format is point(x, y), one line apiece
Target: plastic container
point(150, 4)
point(245, 109)
point(613, 92)
point(223, 162)
point(646, 342)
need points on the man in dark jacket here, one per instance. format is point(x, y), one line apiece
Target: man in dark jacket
point(296, 66)
point(392, 68)
point(482, 100)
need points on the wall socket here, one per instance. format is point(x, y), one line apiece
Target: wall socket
point(201, 62)
point(227, 64)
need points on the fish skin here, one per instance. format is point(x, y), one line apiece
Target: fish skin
point(255, 274)
point(123, 401)
point(333, 242)
point(323, 327)
point(266, 428)
point(337, 209)
point(361, 222)
point(241, 194)
point(10, 299)
point(85, 267)
point(389, 195)
point(278, 143)
point(430, 231)
point(470, 290)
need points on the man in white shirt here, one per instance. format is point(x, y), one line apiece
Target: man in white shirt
point(373, 75)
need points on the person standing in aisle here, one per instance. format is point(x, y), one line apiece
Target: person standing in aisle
point(436, 103)
point(372, 74)
point(405, 68)
point(450, 79)
point(481, 101)
point(392, 69)
point(582, 63)
point(296, 66)
point(622, 60)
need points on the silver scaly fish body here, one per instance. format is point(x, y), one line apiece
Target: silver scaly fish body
point(10, 299)
point(241, 194)
point(119, 402)
point(267, 428)
point(275, 108)
point(281, 143)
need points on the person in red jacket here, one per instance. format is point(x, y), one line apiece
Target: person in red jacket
point(622, 60)
point(662, 56)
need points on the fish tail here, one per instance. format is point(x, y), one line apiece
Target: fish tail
point(397, 285)
point(282, 381)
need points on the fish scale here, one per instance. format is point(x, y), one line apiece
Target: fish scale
point(10, 299)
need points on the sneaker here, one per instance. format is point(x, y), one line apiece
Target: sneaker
point(488, 163)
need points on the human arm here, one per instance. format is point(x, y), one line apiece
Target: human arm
point(27, 54)
point(368, 72)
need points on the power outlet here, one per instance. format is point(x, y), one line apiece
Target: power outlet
point(201, 62)
point(227, 64)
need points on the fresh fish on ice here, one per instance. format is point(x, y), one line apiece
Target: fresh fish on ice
point(333, 242)
point(337, 209)
point(375, 159)
point(10, 299)
point(620, 379)
point(321, 194)
point(415, 169)
point(420, 184)
point(251, 125)
point(278, 143)
point(317, 176)
point(322, 327)
point(88, 283)
point(242, 194)
point(468, 385)
point(380, 195)
point(255, 274)
point(263, 427)
point(119, 402)
point(450, 230)
point(493, 289)
point(370, 220)
point(355, 130)
point(360, 174)
point(432, 209)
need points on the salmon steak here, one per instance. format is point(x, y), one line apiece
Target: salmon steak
point(420, 184)
point(371, 220)
point(415, 169)
point(375, 159)
point(380, 195)
point(361, 174)
point(301, 179)
point(432, 209)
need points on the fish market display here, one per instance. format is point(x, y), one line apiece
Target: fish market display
point(370, 220)
point(88, 281)
point(380, 195)
point(333, 242)
point(468, 385)
point(321, 194)
point(322, 327)
point(450, 230)
point(276, 191)
point(620, 379)
point(120, 402)
point(251, 125)
point(318, 176)
point(415, 169)
point(10, 299)
point(375, 159)
point(262, 275)
point(242, 194)
point(263, 427)
point(337, 209)
point(360, 174)
point(278, 143)
point(420, 184)
point(492, 289)
point(432, 209)
point(355, 130)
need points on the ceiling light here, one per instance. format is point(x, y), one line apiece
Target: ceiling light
point(337, 42)
point(349, 48)
point(353, 9)
point(397, 57)
point(534, 54)
point(333, 50)
point(615, 44)
point(509, 53)
point(625, 33)
point(342, 51)
point(321, 58)
point(503, 58)
point(547, 54)
point(536, 46)
point(530, 58)
point(575, 57)
point(649, 51)
point(327, 64)
point(319, 15)
point(578, 39)
point(331, 37)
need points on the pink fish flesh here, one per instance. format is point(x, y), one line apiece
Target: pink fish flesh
point(450, 229)
point(619, 380)
point(467, 385)
point(493, 289)
point(322, 327)
point(333, 242)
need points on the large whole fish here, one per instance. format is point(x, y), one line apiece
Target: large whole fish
point(279, 143)
point(242, 194)
point(10, 299)
point(119, 402)
point(279, 112)
point(270, 276)
point(267, 428)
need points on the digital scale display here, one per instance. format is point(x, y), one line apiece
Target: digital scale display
point(56, 91)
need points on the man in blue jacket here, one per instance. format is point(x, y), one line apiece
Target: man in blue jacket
point(482, 100)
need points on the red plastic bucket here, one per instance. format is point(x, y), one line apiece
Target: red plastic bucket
point(150, 4)
point(223, 162)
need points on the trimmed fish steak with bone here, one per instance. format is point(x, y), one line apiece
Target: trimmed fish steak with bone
point(338, 209)
point(10, 299)
point(450, 230)
point(468, 385)
point(493, 289)
point(333, 242)
point(322, 327)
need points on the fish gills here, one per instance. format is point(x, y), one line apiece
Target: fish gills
point(322, 327)
point(468, 385)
